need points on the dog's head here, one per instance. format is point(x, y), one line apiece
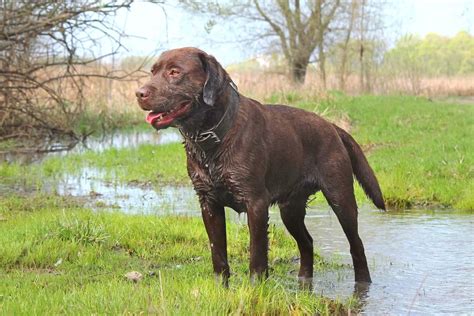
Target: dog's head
point(183, 81)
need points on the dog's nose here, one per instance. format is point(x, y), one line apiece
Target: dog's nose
point(142, 93)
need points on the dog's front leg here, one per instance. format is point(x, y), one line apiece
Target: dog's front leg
point(214, 220)
point(257, 213)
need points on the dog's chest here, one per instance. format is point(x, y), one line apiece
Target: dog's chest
point(216, 181)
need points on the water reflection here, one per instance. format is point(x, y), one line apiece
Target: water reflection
point(136, 199)
point(361, 293)
point(128, 140)
point(54, 147)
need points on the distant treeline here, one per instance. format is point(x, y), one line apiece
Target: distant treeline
point(434, 55)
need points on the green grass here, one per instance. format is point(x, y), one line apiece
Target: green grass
point(421, 151)
point(59, 258)
point(148, 163)
point(145, 164)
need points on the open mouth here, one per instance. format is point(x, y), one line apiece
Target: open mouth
point(164, 119)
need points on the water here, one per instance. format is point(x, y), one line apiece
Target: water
point(61, 147)
point(138, 199)
point(421, 262)
point(131, 139)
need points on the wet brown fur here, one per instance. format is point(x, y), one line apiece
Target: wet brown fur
point(271, 154)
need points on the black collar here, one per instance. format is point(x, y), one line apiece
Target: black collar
point(212, 137)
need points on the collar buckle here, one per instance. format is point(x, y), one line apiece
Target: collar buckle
point(208, 135)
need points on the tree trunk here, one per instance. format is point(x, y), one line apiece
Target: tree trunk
point(361, 49)
point(362, 70)
point(322, 65)
point(345, 47)
point(342, 68)
point(368, 78)
point(298, 71)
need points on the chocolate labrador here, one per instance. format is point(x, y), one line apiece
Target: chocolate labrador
point(247, 156)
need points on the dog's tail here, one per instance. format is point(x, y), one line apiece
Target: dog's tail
point(362, 171)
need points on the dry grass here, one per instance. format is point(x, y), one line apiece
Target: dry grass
point(449, 86)
point(75, 102)
point(98, 91)
point(265, 84)
point(119, 96)
point(262, 85)
point(105, 96)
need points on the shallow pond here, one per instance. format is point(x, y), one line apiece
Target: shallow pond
point(421, 262)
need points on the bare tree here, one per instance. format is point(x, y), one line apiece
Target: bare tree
point(369, 29)
point(345, 44)
point(300, 33)
point(298, 26)
point(47, 49)
point(358, 42)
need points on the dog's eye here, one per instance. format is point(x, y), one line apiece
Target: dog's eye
point(173, 72)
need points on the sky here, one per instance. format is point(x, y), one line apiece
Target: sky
point(153, 29)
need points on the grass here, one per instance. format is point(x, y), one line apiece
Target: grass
point(148, 163)
point(59, 258)
point(102, 120)
point(420, 150)
point(262, 83)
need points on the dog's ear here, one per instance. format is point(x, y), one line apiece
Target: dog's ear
point(215, 77)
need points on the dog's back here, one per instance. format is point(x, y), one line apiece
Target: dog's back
point(300, 144)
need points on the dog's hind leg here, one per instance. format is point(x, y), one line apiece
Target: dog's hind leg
point(339, 192)
point(292, 214)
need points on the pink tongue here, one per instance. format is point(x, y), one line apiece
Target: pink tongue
point(152, 117)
